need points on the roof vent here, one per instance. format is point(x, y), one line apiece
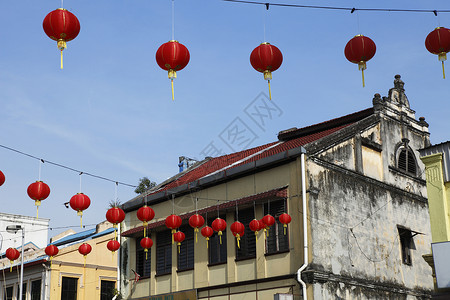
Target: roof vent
point(284, 134)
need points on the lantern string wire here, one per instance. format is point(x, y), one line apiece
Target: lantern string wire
point(351, 9)
point(66, 167)
point(81, 173)
point(40, 164)
point(173, 20)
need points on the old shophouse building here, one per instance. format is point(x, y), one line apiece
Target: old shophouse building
point(367, 222)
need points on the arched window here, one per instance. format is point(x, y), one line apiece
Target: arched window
point(406, 161)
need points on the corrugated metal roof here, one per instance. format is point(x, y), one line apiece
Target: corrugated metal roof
point(443, 148)
point(75, 237)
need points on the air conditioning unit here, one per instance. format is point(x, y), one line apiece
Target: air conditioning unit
point(283, 297)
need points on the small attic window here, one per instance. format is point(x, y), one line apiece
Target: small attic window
point(406, 161)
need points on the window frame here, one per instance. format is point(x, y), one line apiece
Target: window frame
point(246, 215)
point(214, 243)
point(32, 291)
point(62, 286)
point(282, 241)
point(143, 266)
point(186, 246)
point(406, 244)
point(104, 293)
point(164, 246)
point(409, 162)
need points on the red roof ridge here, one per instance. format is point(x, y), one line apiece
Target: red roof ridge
point(293, 133)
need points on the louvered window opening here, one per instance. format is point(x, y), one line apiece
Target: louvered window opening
point(163, 252)
point(217, 253)
point(406, 244)
point(406, 161)
point(185, 259)
point(143, 266)
point(248, 241)
point(277, 241)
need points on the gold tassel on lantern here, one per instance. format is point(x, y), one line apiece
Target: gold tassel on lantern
point(173, 232)
point(196, 231)
point(362, 66)
point(172, 76)
point(220, 237)
point(80, 213)
point(10, 269)
point(285, 226)
point(238, 238)
point(146, 253)
point(268, 77)
point(207, 242)
point(145, 227)
point(61, 46)
point(442, 57)
point(37, 203)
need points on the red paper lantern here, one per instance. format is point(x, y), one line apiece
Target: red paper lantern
point(196, 221)
point(266, 58)
point(115, 215)
point(62, 26)
point(207, 232)
point(38, 191)
point(238, 230)
point(255, 226)
point(359, 50)
point(172, 57)
point(80, 202)
point(2, 178)
point(113, 245)
point(285, 219)
point(173, 222)
point(178, 238)
point(145, 214)
point(84, 250)
point(268, 221)
point(51, 250)
point(438, 42)
point(146, 243)
point(219, 225)
point(12, 254)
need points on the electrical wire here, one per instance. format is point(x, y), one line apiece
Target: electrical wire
point(66, 167)
point(350, 9)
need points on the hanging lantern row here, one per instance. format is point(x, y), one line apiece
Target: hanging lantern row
point(238, 230)
point(80, 202)
point(2, 178)
point(12, 254)
point(38, 191)
point(51, 251)
point(146, 243)
point(219, 225)
point(173, 222)
point(145, 214)
point(207, 232)
point(179, 237)
point(196, 221)
point(62, 26)
point(84, 249)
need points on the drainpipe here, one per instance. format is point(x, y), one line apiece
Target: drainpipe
point(305, 231)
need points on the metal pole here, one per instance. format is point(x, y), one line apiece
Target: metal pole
point(21, 265)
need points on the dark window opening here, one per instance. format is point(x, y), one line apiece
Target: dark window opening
point(24, 291)
point(107, 289)
point(248, 241)
point(36, 290)
point(185, 259)
point(143, 262)
point(163, 252)
point(8, 295)
point(276, 241)
point(406, 243)
point(407, 161)
point(69, 288)
point(217, 251)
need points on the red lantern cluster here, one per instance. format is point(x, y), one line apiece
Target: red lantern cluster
point(12, 254)
point(113, 245)
point(62, 26)
point(196, 221)
point(84, 249)
point(173, 222)
point(172, 57)
point(51, 250)
point(2, 178)
point(285, 219)
point(438, 42)
point(359, 50)
point(38, 191)
point(266, 58)
point(80, 202)
point(145, 214)
point(219, 225)
point(238, 230)
point(207, 232)
point(146, 243)
point(179, 238)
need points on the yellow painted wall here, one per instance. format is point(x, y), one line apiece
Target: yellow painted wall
point(101, 264)
point(287, 175)
point(438, 198)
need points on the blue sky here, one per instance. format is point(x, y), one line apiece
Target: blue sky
point(110, 113)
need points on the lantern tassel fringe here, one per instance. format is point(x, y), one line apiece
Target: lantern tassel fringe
point(270, 93)
point(443, 70)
